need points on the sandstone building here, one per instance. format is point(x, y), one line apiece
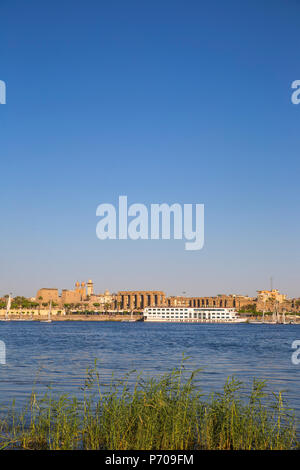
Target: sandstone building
point(84, 297)
point(102, 301)
point(44, 295)
point(268, 299)
point(134, 300)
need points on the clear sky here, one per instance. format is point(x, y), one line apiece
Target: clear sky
point(162, 101)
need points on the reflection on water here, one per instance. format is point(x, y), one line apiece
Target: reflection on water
point(59, 353)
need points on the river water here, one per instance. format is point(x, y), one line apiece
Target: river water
point(58, 354)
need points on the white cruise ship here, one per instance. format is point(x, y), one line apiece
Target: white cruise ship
point(192, 315)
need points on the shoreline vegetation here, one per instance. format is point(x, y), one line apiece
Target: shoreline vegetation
point(125, 317)
point(159, 413)
point(74, 317)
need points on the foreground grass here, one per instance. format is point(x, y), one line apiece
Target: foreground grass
point(165, 413)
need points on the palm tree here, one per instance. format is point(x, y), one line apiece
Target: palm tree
point(96, 304)
point(67, 307)
point(40, 299)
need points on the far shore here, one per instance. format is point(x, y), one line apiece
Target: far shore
point(73, 317)
point(117, 317)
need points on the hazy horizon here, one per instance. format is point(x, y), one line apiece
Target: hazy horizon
point(169, 292)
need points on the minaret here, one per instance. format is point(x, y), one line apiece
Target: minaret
point(83, 291)
point(77, 287)
point(90, 287)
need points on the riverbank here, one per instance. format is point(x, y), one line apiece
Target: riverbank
point(293, 319)
point(166, 413)
point(74, 317)
point(117, 317)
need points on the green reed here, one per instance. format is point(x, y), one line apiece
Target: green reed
point(164, 413)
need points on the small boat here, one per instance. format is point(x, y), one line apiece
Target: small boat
point(49, 315)
point(131, 319)
point(283, 319)
point(24, 319)
point(275, 317)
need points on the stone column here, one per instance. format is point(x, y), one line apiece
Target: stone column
point(131, 301)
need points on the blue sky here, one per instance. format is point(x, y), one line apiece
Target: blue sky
point(163, 101)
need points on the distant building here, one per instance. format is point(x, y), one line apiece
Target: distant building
point(220, 301)
point(80, 289)
point(134, 300)
point(104, 300)
point(89, 288)
point(270, 295)
point(70, 297)
point(79, 294)
point(84, 295)
point(74, 296)
point(46, 294)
